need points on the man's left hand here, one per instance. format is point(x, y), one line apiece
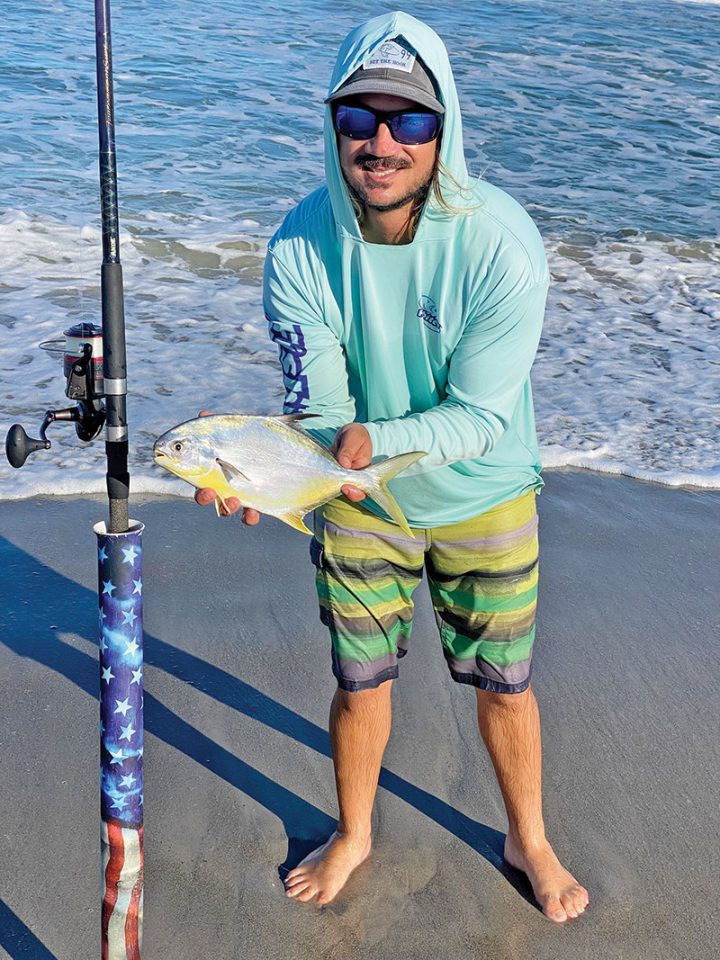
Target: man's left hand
point(353, 449)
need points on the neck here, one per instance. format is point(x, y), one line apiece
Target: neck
point(387, 226)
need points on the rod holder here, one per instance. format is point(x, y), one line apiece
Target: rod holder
point(120, 613)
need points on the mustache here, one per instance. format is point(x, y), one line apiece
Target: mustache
point(368, 161)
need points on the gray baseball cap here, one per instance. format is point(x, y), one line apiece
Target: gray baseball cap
point(393, 68)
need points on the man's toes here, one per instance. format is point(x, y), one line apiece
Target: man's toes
point(295, 876)
point(306, 894)
point(554, 910)
point(299, 888)
point(292, 888)
point(575, 901)
point(293, 883)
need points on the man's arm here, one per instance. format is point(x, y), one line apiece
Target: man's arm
point(314, 373)
point(311, 355)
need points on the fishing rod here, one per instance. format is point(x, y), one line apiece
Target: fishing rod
point(113, 309)
point(94, 363)
point(94, 358)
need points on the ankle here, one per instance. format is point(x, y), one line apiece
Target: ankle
point(356, 836)
point(528, 839)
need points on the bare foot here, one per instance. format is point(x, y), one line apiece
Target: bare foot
point(325, 871)
point(557, 891)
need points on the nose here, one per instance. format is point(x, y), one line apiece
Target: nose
point(382, 144)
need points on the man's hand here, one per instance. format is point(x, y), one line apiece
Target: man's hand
point(207, 495)
point(352, 448)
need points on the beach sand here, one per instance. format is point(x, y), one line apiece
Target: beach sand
point(238, 780)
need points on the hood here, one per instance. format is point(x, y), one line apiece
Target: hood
point(355, 49)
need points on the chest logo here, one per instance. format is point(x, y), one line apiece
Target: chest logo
point(427, 312)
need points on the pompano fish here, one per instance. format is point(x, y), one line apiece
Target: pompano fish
point(271, 465)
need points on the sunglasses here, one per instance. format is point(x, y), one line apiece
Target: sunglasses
point(410, 127)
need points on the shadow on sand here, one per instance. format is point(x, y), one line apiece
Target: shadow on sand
point(18, 939)
point(72, 608)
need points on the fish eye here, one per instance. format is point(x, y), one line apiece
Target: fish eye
point(177, 446)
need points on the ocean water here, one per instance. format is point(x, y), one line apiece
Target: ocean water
point(603, 119)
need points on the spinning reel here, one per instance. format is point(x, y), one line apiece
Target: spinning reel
point(82, 354)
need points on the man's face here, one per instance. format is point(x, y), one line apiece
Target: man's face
point(382, 173)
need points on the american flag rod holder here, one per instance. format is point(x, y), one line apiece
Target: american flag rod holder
point(121, 739)
point(119, 544)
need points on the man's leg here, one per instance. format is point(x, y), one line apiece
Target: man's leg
point(359, 732)
point(367, 571)
point(510, 726)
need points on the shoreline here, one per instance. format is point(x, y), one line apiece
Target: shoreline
point(148, 496)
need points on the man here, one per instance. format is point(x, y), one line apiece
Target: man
point(407, 303)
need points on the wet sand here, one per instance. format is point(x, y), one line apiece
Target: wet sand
point(238, 780)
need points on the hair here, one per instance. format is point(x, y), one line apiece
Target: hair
point(434, 190)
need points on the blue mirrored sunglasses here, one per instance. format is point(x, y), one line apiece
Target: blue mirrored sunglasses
point(410, 127)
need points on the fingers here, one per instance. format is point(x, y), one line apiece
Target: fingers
point(205, 413)
point(250, 517)
point(227, 507)
point(352, 493)
point(207, 495)
point(353, 447)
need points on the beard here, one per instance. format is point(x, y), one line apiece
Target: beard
point(413, 196)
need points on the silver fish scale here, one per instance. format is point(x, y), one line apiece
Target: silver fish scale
point(284, 466)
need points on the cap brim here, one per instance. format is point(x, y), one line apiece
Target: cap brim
point(392, 88)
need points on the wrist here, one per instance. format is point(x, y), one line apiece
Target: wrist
point(375, 433)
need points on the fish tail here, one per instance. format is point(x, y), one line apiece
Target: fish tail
point(373, 481)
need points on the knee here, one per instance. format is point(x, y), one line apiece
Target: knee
point(360, 701)
point(509, 702)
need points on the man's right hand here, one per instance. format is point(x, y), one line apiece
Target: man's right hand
point(207, 495)
point(232, 505)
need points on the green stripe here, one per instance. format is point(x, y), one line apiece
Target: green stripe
point(373, 648)
point(499, 654)
point(470, 604)
point(362, 594)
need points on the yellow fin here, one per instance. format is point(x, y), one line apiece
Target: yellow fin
point(218, 501)
point(372, 481)
point(295, 519)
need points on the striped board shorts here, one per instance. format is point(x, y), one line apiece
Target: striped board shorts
point(482, 574)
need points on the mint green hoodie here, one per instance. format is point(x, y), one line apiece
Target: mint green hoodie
point(429, 344)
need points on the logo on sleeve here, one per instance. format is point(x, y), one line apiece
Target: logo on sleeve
point(292, 349)
point(427, 311)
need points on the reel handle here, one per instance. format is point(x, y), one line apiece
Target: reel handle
point(19, 446)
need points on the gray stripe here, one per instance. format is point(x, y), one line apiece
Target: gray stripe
point(369, 626)
point(483, 543)
point(368, 571)
point(517, 573)
point(515, 673)
point(488, 629)
point(399, 538)
point(351, 670)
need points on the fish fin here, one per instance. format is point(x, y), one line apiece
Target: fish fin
point(373, 481)
point(292, 418)
point(230, 472)
point(218, 501)
point(295, 519)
